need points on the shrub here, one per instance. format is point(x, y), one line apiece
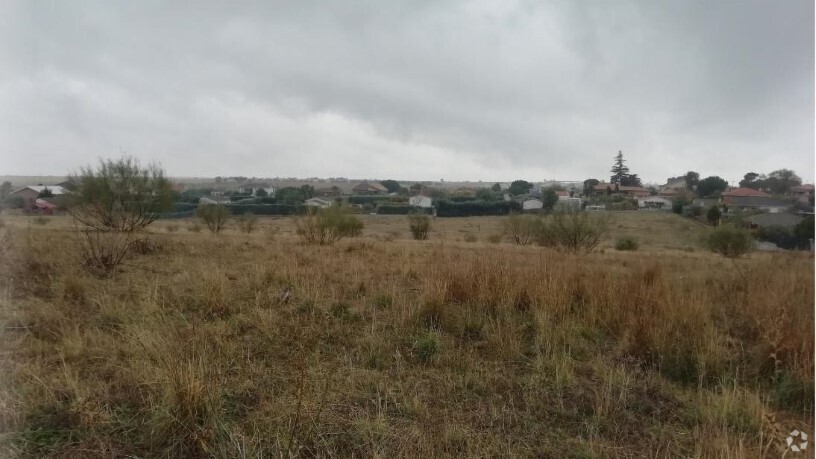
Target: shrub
point(42, 221)
point(470, 237)
point(522, 229)
point(172, 228)
point(626, 243)
point(215, 216)
point(247, 223)
point(101, 252)
point(779, 235)
point(577, 232)
point(426, 347)
point(325, 226)
point(194, 228)
point(730, 241)
point(713, 215)
point(420, 225)
point(494, 238)
point(120, 195)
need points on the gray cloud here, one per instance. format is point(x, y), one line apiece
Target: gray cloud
point(420, 90)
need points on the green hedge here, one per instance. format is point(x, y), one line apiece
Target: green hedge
point(171, 215)
point(401, 210)
point(366, 199)
point(265, 209)
point(184, 207)
point(446, 208)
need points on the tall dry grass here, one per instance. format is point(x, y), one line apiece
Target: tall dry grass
point(401, 349)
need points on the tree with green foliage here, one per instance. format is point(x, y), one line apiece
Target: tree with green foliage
point(692, 179)
point(45, 193)
point(290, 196)
point(549, 197)
point(781, 181)
point(495, 188)
point(751, 180)
point(485, 194)
point(308, 191)
point(519, 187)
point(713, 215)
point(589, 186)
point(5, 189)
point(631, 180)
point(391, 185)
point(710, 186)
point(619, 169)
point(804, 230)
point(120, 195)
point(261, 193)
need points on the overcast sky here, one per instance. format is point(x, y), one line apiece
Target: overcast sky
point(421, 90)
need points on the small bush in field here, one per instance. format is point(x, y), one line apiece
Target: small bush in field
point(470, 237)
point(420, 225)
point(194, 228)
point(247, 223)
point(426, 347)
point(382, 301)
point(730, 241)
point(494, 238)
point(327, 226)
point(522, 229)
point(215, 216)
point(42, 221)
point(626, 243)
point(172, 228)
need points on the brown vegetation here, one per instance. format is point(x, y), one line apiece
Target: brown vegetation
point(248, 345)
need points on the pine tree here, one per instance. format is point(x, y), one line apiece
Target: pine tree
point(619, 169)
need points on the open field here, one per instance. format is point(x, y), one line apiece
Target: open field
point(389, 347)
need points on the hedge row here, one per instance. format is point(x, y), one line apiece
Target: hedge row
point(373, 199)
point(266, 209)
point(446, 208)
point(401, 210)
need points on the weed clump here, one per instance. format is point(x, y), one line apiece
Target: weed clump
point(626, 243)
point(420, 225)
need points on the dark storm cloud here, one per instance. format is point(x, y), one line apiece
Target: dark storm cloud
point(481, 90)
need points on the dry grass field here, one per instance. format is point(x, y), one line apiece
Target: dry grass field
point(257, 345)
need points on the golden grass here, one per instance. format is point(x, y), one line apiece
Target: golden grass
point(388, 347)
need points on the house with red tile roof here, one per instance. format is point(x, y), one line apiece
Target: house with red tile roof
point(729, 195)
point(635, 191)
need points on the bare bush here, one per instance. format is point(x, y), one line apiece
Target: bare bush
point(420, 225)
point(247, 223)
point(522, 229)
point(215, 216)
point(101, 252)
point(577, 232)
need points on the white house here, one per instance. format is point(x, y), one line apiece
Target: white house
point(318, 202)
point(531, 204)
point(421, 201)
point(654, 202)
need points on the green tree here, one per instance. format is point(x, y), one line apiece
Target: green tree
point(5, 189)
point(290, 196)
point(630, 180)
point(45, 193)
point(692, 179)
point(519, 187)
point(782, 180)
point(549, 197)
point(713, 215)
point(120, 195)
point(804, 230)
point(751, 180)
point(485, 194)
point(711, 185)
point(308, 191)
point(391, 185)
point(261, 193)
point(589, 186)
point(619, 169)
point(496, 187)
